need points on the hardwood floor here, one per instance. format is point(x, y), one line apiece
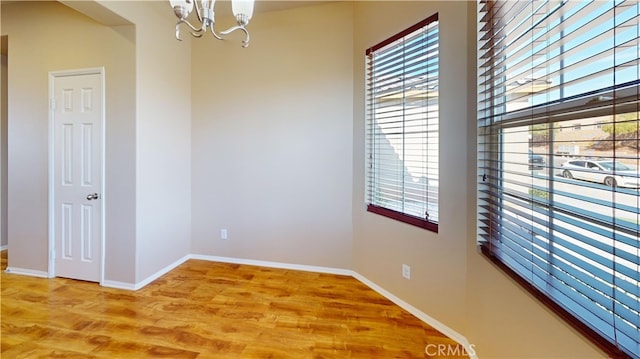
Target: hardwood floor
point(209, 310)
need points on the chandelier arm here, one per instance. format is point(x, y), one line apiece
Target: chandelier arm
point(215, 34)
point(195, 31)
point(198, 11)
point(245, 42)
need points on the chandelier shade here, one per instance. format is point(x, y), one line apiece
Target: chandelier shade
point(239, 7)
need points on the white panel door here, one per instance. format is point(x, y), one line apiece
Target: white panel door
point(77, 176)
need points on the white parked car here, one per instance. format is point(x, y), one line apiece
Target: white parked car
point(611, 173)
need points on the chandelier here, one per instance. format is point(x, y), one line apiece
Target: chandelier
point(242, 10)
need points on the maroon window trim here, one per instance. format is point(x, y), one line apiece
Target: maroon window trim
point(403, 217)
point(605, 345)
point(404, 33)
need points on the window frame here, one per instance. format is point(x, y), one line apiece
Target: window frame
point(372, 207)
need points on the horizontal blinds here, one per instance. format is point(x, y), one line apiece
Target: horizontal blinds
point(551, 51)
point(402, 122)
point(559, 144)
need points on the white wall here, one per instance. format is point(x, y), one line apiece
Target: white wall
point(272, 139)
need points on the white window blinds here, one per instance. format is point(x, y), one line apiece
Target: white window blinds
point(402, 125)
point(558, 92)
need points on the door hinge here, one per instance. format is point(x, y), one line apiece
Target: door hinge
point(52, 104)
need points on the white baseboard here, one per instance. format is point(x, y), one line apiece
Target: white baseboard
point(118, 285)
point(29, 272)
point(145, 282)
point(459, 338)
point(2, 248)
point(308, 268)
point(161, 272)
point(279, 265)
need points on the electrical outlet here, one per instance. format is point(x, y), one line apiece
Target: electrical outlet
point(406, 271)
point(223, 234)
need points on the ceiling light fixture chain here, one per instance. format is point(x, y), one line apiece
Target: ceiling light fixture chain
point(242, 10)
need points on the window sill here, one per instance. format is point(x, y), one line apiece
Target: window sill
point(405, 218)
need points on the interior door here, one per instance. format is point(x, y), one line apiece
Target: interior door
point(77, 110)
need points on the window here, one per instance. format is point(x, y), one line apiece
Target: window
point(568, 230)
point(402, 126)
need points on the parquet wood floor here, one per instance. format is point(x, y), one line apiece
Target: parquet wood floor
point(208, 310)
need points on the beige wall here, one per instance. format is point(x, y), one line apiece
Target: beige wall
point(450, 281)
point(3, 146)
point(63, 40)
point(148, 128)
point(163, 136)
point(381, 245)
point(271, 139)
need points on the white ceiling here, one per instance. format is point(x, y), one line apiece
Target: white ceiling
point(105, 17)
point(277, 5)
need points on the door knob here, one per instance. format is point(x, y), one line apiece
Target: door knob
point(92, 196)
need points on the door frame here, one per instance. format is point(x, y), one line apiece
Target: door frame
point(53, 75)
